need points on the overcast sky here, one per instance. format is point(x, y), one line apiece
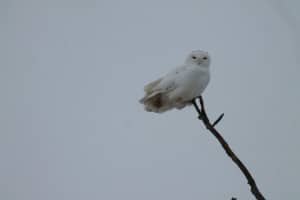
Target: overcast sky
point(71, 74)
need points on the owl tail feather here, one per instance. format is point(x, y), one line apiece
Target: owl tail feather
point(156, 102)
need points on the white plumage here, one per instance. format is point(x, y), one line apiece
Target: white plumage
point(180, 86)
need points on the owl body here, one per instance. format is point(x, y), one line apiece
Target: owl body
point(178, 88)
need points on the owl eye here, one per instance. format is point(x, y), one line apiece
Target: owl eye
point(205, 58)
point(194, 57)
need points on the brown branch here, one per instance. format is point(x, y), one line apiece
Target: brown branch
point(203, 116)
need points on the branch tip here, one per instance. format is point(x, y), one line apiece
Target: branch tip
point(218, 120)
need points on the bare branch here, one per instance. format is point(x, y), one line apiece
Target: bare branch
point(218, 120)
point(203, 116)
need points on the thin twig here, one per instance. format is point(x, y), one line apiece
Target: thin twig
point(218, 120)
point(203, 116)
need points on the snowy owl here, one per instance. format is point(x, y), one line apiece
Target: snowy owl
point(179, 87)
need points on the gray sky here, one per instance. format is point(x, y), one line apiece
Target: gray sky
point(71, 74)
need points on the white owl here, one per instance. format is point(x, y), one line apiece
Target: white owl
point(179, 87)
